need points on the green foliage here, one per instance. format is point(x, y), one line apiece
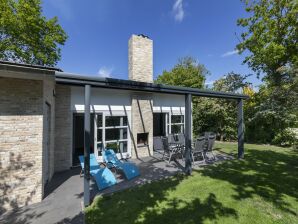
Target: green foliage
point(215, 115)
point(232, 82)
point(287, 137)
point(271, 37)
point(219, 115)
point(188, 73)
point(114, 146)
point(271, 111)
point(26, 36)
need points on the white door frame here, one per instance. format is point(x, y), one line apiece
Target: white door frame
point(128, 140)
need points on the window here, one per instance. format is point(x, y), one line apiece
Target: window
point(99, 135)
point(112, 132)
point(177, 124)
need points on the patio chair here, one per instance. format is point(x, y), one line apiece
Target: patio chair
point(170, 149)
point(210, 144)
point(199, 148)
point(103, 176)
point(171, 139)
point(207, 134)
point(181, 139)
point(130, 170)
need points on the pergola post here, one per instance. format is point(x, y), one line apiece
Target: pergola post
point(188, 113)
point(87, 142)
point(240, 129)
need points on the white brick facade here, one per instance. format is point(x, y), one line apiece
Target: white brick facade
point(21, 139)
point(140, 59)
point(63, 128)
point(140, 68)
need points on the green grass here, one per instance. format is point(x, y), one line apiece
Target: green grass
point(262, 188)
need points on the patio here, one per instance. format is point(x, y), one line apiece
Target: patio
point(64, 196)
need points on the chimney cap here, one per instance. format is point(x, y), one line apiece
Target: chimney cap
point(143, 35)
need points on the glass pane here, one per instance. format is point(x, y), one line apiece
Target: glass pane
point(116, 121)
point(113, 145)
point(99, 148)
point(99, 135)
point(112, 121)
point(117, 147)
point(99, 120)
point(177, 128)
point(177, 119)
point(123, 147)
point(124, 121)
point(116, 134)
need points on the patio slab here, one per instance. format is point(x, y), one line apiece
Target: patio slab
point(64, 194)
point(61, 205)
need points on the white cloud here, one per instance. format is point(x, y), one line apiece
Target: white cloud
point(229, 53)
point(105, 72)
point(178, 10)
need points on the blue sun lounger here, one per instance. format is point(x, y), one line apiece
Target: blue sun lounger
point(130, 170)
point(103, 176)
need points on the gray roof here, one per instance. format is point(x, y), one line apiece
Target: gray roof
point(24, 65)
point(111, 83)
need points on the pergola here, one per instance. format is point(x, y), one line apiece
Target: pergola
point(89, 82)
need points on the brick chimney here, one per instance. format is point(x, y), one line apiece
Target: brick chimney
point(140, 58)
point(140, 68)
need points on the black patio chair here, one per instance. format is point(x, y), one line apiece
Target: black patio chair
point(210, 145)
point(170, 150)
point(181, 139)
point(199, 149)
point(171, 139)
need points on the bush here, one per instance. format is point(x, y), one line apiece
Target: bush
point(288, 137)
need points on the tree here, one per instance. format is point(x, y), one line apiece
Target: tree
point(26, 36)
point(187, 72)
point(271, 37)
point(271, 113)
point(231, 82)
point(220, 115)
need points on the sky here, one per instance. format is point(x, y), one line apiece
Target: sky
point(98, 33)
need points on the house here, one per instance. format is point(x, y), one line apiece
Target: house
point(42, 119)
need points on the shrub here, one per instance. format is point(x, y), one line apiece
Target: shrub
point(288, 137)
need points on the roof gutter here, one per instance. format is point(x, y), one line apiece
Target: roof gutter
point(79, 80)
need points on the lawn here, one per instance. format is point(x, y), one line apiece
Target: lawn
point(262, 188)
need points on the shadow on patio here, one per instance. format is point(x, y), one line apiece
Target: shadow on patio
point(64, 194)
point(62, 204)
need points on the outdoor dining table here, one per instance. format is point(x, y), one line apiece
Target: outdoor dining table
point(179, 146)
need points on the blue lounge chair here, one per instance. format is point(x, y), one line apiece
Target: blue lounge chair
point(130, 170)
point(103, 176)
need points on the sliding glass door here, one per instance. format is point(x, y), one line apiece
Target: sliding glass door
point(112, 132)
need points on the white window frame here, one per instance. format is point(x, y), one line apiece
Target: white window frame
point(103, 128)
point(171, 123)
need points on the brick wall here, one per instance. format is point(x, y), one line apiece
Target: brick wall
point(140, 59)
point(141, 122)
point(49, 138)
point(140, 68)
point(21, 128)
point(63, 126)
